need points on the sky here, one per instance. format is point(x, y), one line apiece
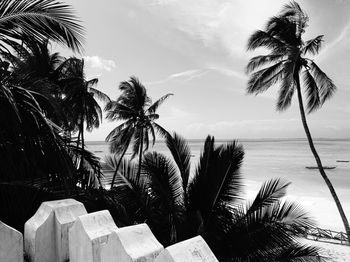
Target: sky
point(196, 50)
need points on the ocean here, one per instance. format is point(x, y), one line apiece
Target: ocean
point(286, 159)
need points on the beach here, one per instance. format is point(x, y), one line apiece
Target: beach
point(287, 159)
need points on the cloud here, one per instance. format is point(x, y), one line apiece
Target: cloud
point(189, 75)
point(183, 76)
point(341, 37)
point(99, 63)
point(229, 72)
point(218, 23)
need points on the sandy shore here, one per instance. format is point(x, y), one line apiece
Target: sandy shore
point(334, 252)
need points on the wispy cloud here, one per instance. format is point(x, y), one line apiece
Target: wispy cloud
point(229, 72)
point(99, 63)
point(189, 75)
point(181, 76)
point(341, 37)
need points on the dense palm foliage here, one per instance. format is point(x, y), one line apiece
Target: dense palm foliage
point(36, 156)
point(79, 103)
point(41, 19)
point(28, 140)
point(138, 114)
point(34, 67)
point(284, 66)
point(178, 206)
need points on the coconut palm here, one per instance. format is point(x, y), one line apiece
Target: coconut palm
point(79, 104)
point(35, 68)
point(28, 140)
point(284, 66)
point(138, 112)
point(177, 206)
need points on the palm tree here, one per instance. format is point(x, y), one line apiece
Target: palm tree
point(32, 150)
point(138, 112)
point(28, 135)
point(41, 19)
point(177, 206)
point(35, 68)
point(284, 65)
point(79, 102)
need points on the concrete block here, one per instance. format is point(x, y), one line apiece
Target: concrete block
point(191, 250)
point(46, 233)
point(137, 243)
point(11, 244)
point(92, 238)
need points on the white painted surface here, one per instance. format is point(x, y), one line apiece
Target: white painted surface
point(191, 250)
point(137, 243)
point(92, 238)
point(46, 233)
point(11, 244)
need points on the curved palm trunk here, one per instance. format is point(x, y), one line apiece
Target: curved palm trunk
point(318, 160)
point(140, 157)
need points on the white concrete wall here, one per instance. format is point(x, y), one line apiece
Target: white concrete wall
point(46, 233)
point(11, 244)
point(137, 243)
point(191, 250)
point(62, 231)
point(91, 238)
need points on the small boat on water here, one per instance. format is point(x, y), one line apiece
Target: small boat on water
point(343, 161)
point(315, 167)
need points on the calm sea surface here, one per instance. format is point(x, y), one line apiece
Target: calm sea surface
point(287, 159)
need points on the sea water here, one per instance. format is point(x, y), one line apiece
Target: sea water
point(286, 159)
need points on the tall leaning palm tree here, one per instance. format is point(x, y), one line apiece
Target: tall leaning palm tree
point(285, 65)
point(138, 112)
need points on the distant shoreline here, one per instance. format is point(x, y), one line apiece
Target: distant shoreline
point(246, 140)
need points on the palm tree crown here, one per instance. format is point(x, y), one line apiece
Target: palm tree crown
point(287, 60)
point(79, 102)
point(138, 112)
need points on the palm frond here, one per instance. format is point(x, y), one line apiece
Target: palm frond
point(153, 108)
point(300, 253)
point(182, 155)
point(287, 89)
point(263, 39)
point(259, 61)
point(100, 95)
point(160, 130)
point(325, 85)
point(312, 92)
point(166, 186)
point(263, 79)
point(313, 46)
point(41, 19)
point(270, 192)
point(217, 178)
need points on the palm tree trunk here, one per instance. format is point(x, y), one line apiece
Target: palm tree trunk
point(82, 135)
point(140, 156)
point(318, 160)
point(120, 160)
